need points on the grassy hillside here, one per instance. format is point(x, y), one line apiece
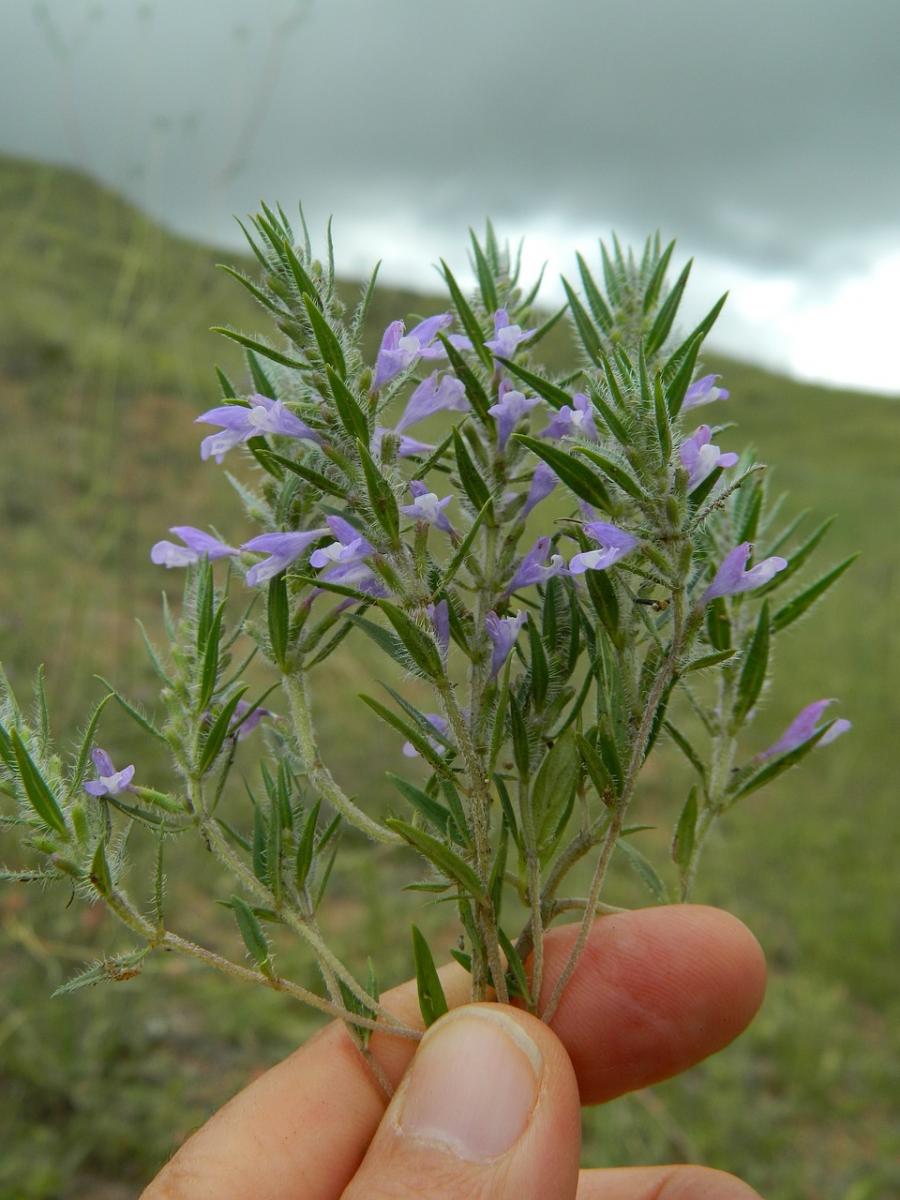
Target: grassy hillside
point(105, 357)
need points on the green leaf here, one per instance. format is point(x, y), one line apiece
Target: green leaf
point(779, 765)
point(795, 608)
point(261, 380)
point(210, 669)
point(798, 558)
point(585, 483)
point(598, 306)
point(616, 473)
point(663, 427)
point(420, 646)
point(555, 785)
point(99, 873)
point(385, 641)
point(485, 275)
point(326, 339)
point(540, 667)
point(212, 743)
point(677, 387)
point(696, 336)
point(84, 751)
point(708, 660)
point(381, 497)
point(688, 751)
point(655, 282)
point(471, 478)
point(519, 730)
point(136, 715)
point(39, 795)
point(418, 739)
point(645, 871)
point(260, 348)
point(117, 969)
point(466, 316)
point(305, 285)
point(585, 327)
point(475, 393)
point(685, 831)
point(604, 598)
point(613, 423)
point(306, 846)
point(555, 396)
point(662, 324)
point(252, 933)
point(595, 766)
point(440, 856)
point(465, 546)
point(316, 478)
point(435, 813)
point(718, 626)
point(753, 669)
point(432, 1001)
point(352, 416)
point(516, 977)
point(278, 612)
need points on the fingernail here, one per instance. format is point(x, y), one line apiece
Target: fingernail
point(473, 1084)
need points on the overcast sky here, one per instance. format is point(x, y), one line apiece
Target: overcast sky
point(764, 134)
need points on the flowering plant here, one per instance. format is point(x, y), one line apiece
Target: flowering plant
point(649, 597)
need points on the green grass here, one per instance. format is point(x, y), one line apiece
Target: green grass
point(105, 357)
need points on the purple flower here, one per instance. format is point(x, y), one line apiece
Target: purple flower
point(433, 395)
point(239, 424)
point(614, 543)
point(356, 574)
point(543, 481)
point(406, 447)
point(731, 578)
point(196, 544)
point(242, 724)
point(427, 508)
point(704, 391)
point(507, 338)
point(503, 632)
point(439, 615)
point(109, 781)
point(570, 420)
point(804, 726)
point(441, 724)
point(534, 567)
point(700, 457)
point(510, 407)
point(350, 547)
point(282, 548)
point(400, 350)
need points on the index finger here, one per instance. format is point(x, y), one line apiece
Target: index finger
point(656, 991)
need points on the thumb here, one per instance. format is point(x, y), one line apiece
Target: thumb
point(489, 1108)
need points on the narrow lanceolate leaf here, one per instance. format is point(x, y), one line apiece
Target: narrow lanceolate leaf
point(707, 660)
point(316, 478)
point(326, 339)
point(718, 626)
point(436, 814)
point(383, 638)
point(753, 669)
point(685, 830)
point(99, 874)
point(579, 478)
point(795, 608)
point(283, 360)
point(663, 426)
point(519, 730)
point(587, 331)
point(555, 785)
point(218, 731)
point(551, 392)
point(475, 393)
point(440, 856)
point(352, 416)
point(779, 765)
point(676, 359)
point(420, 647)
point(416, 737)
point(485, 275)
point(655, 282)
point(306, 847)
point(470, 476)
point(688, 751)
point(278, 617)
point(87, 741)
point(645, 871)
point(210, 670)
point(677, 386)
point(36, 789)
point(616, 473)
point(305, 285)
point(613, 423)
point(662, 324)
point(798, 558)
point(432, 1001)
point(251, 932)
point(467, 317)
point(465, 546)
point(598, 306)
point(540, 667)
point(381, 497)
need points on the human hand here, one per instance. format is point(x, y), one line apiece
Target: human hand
point(489, 1104)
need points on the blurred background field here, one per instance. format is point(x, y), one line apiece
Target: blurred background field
point(105, 358)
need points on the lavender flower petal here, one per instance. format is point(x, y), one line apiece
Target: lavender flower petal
point(704, 391)
point(802, 728)
point(282, 548)
point(731, 577)
point(441, 724)
point(507, 338)
point(700, 457)
point(614, 543)
point(433, 395)
point(534, 567)
point(543, 481)
point(509, 409)
point(196, 544)
point(574, 419)
point(503, 632)
point(109, 781)
point(439, 615)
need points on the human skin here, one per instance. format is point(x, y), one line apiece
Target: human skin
point(489, 1105)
